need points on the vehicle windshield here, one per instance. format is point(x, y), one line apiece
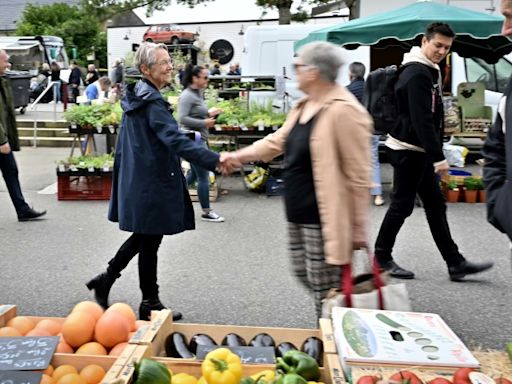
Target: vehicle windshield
point(29, 59)
point(494, 76)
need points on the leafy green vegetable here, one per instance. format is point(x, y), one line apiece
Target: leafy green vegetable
point(94, 115)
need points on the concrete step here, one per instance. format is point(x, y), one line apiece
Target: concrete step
point(42, 124)
point(44, 132)
point(42, 141)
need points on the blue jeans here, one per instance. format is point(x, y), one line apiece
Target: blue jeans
point(56, 91)
point(376, 179)
point(10, 174)
point(203, 182)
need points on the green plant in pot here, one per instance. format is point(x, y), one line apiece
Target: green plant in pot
point(481, 191)
point(452, 191)
point(471, 185)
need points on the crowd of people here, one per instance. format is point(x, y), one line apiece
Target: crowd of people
point(330, 165)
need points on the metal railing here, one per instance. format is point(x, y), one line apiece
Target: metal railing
point(33, 107)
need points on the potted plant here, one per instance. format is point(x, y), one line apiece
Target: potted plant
point(452, 191)
point(481, 191)
point(471, 189)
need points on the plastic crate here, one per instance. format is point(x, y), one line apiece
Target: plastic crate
point(84, 187)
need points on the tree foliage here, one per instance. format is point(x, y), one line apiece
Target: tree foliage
point(77, 28)
point(104, 9)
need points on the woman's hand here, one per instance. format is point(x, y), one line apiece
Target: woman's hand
point(210, 122)
point(212, 112)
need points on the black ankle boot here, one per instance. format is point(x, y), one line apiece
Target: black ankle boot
point(154, 304)
point(101, 285)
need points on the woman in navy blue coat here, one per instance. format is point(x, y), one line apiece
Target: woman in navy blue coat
point(149, 191)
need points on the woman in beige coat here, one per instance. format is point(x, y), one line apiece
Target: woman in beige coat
point(327, 166)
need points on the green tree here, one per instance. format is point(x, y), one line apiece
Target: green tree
point(76, 27)
point(105, 9)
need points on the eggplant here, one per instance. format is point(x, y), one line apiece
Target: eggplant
point(176, 346)
point(200, 339)
point(284, 347)
point(314, 347)
point(262, 340)
point(233, 340)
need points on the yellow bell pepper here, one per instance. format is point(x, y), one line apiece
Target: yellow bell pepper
point(221, 366)
point(266, 375)
point(183, 378)
point(202, 380)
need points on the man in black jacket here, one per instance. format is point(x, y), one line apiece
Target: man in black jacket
point(75, 79)
point(9, 142)
point(416, 154)
point(356, 72)
point(496, 150)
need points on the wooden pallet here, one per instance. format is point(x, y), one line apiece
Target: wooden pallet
point(214, 193)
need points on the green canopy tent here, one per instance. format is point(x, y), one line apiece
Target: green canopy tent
point(478, 34)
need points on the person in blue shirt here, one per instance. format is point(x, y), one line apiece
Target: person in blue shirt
point(97, 89)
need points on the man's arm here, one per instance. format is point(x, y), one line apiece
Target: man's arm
point(419, 100)
point(495, 166)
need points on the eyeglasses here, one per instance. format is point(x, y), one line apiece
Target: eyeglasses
point(296, 66)
point(165, 62)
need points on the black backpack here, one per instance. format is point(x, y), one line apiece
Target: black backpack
point(379, 98)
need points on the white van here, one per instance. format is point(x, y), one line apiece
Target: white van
point(268, 51)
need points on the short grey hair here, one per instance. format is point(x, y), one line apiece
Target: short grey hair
point(146, 54)
point(326, 57)
point(357, 69)
point(104, 80)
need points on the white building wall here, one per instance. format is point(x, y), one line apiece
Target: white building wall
point(117, 47)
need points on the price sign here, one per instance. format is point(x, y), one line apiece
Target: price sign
point(26, 353)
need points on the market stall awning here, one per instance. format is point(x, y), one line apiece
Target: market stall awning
point(478, 34)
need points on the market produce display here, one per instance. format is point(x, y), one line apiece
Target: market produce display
point(176, 345)
point(92, 116)
point(87, 330)
point(237, 114)
point(100, 162)
point(221, 366)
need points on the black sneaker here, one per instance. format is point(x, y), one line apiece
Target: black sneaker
point(212, 216)
point(467, 268)
point(30, 214)
point(396, 271)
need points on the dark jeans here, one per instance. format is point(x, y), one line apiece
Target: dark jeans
point(202, 176)
point(10, 174)
point(414, 174)
point(147, 247)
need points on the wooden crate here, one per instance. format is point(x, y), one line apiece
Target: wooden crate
point(8, 312)
point(214, 193)
point(162, 326)
point(330, 374)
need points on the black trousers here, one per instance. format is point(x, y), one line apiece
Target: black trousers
point(414, 175)
point(147, 247)
point(10, 174)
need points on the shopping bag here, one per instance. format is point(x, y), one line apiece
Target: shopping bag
point(368, 291)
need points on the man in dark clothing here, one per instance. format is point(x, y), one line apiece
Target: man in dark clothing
point(75, 79)
point(92, 74)
point(9, 142)
point(356, 72)
point(416, 154)
point(496, 150)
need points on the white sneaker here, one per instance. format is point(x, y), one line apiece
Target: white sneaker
point(212, 216)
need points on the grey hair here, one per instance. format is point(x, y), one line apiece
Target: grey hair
point(146, 54)
point(326, 57)
point(357, 69)
point(104, 80)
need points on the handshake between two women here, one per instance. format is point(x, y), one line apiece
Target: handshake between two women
point(229, 162)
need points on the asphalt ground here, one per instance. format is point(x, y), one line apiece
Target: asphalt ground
point(234, 272)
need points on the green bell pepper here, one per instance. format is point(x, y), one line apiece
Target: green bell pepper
point(289, 378)
point(299, 363)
